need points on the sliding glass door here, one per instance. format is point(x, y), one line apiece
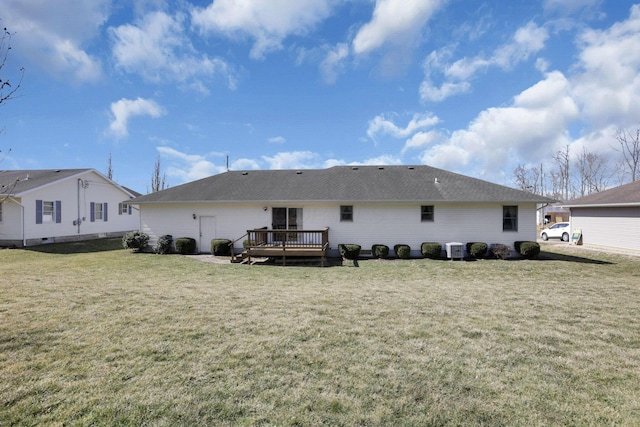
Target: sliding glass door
point(286, 219)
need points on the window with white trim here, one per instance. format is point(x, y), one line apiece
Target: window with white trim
point(509, 218)
point(48, 211)
point(426, 213)
point(346, 213)
point(98, 212)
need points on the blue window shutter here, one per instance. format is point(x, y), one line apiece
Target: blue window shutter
point(104, 212)
point(92, 213)
point(58, 211)
point(38, 211)
point(129, 208)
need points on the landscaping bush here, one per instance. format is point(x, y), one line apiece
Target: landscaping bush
point(349, 251)
point(528, 250)
point(380, 251)
point(402, 251)
point(135, 240)
point(185, 245)
point(221, 247)
point(164, 245)
point(477, 249)
point(431, 250)
point(500, 251)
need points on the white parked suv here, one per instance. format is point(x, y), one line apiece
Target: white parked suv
point(559, 230)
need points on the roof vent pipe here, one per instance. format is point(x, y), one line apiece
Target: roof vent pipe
point(436, 181)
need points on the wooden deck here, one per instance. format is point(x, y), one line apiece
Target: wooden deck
point(286, 243)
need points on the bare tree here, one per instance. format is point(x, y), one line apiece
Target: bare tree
point(593, 174)
point(8, 90)
point(158, 179)
point(109, 167)
point(630, 149)
point(561, 176)
point(528, 179)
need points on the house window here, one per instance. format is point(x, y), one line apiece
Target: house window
point(346, 213)
point(98, 212)
point(426, 213)
point(124, 209)
point(509, 218)
point(47, 212)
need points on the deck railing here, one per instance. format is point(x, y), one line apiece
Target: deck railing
point(287, 242)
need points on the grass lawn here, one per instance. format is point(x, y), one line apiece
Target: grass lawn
point(91, 334)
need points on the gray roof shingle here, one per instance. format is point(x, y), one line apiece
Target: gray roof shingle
point(15, 182)
point(628, 194)
point(19, 181)
point(341, 184)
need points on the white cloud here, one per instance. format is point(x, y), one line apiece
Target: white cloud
point(268, 23)
point(380, 125)
point(277, 140)
point(293, 160)
point(333, 63)
point(567, 7)
point(421, 140)
point(608, 84)
point(397, 22)
point(54, 35)
point(526, 41)
point(124, 109)
point(533, 127)
point(158, 49)
point(188, 167)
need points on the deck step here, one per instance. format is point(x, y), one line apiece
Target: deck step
point(241, 258)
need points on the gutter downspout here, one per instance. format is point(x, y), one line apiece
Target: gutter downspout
point(78, 220)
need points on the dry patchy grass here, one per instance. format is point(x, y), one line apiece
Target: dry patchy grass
point(111, 337)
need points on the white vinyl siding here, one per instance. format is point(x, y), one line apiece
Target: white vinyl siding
point(24, 218)
point(617, 227)
point(373, 223)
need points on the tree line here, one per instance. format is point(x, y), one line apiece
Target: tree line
point(567, 177)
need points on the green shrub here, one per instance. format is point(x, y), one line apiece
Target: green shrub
point(185, 245)
point(164, 245)
point(349, 251)
point(500, 251)
point(528, 250)
point(135, 240)
point(221, 247)
point(380, 251)
point(477, 249)
point(247, 243)
point(402, 251)
point(432, 250)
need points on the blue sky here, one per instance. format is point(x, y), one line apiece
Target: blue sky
point(470, 86)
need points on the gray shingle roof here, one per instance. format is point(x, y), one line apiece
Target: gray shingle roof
point(19, 181)
point(628, 194)
point(341, 184)
point(15, 182)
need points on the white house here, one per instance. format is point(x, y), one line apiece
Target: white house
point(610, 218)
point(43, 206)
point(363, 205)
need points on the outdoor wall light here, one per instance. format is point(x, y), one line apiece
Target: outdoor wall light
point(265, 209)
point(194, 216)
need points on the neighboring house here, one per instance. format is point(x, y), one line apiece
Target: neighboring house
point(364, 205)
point(43, 206)
point(609, 218)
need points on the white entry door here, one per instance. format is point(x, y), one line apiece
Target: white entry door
point(207, 233)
